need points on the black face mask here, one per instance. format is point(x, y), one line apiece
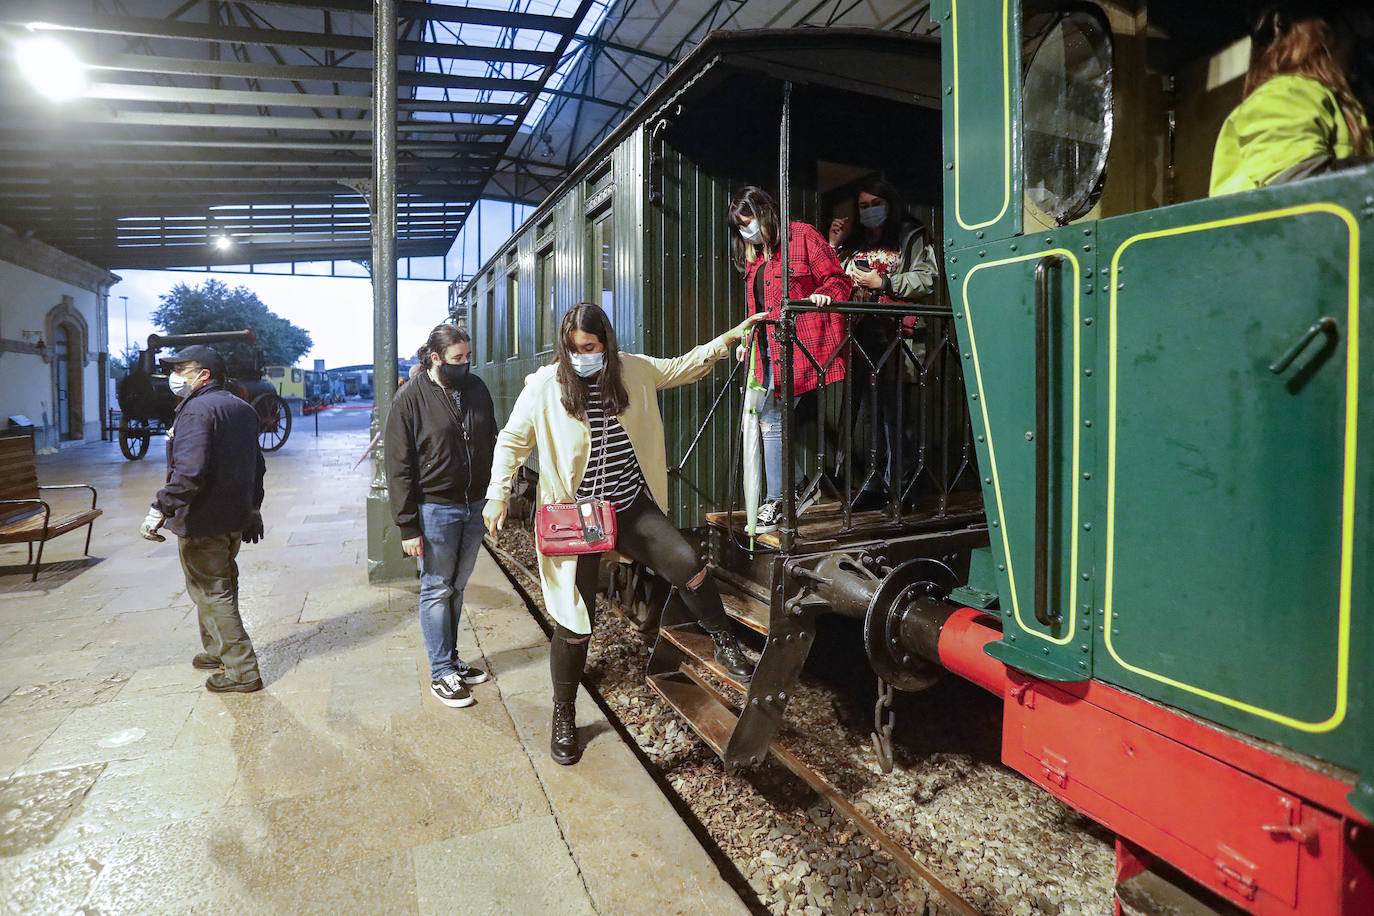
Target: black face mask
point(451, 376)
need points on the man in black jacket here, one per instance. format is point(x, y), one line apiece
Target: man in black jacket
point(212, 501)
point(440, 436)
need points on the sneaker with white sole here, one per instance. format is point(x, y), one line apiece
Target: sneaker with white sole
point(451, 691)
point(770, 514)
point(470, 674)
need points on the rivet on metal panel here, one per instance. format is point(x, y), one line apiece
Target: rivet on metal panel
point(979, 233)
point(1101, 628)
point(1121, 286)
point(1083, 646)
point(1088, 373)
point(968, 356)
point(974, 396)
point(1013, 247)
point(1030, 436)
point(980, 438)
point(1106, 270)
point(1087, 321)
point(1049, 240)
point(1088, 231)
point(949, 90)
point(1087, 422)
point(1046, 650)
point(949, 166)
point(1086, 576)
point(1088, 290)
point(1082, 664)
point(1087, 248)
point(987, 480)
point(1087, 475)
point(994, 524)
point(1087, 526)
point(946, 15)
point(954, 276)
point(982, 254)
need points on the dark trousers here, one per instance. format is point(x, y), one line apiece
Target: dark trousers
point(212, 581)
point(644, 534)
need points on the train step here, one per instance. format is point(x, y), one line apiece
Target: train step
point(744, 606)
point(684, 650)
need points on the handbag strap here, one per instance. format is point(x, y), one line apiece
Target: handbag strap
point(598, 481)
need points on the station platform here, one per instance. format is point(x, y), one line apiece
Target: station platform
point(344, 786)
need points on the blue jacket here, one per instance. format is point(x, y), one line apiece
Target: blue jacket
point(214, 466)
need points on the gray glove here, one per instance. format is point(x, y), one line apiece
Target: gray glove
point(151, 522)
point(253, 531)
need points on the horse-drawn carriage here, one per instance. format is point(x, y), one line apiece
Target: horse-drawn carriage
point(148, 405)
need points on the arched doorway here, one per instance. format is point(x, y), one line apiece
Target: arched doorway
point(68, 376)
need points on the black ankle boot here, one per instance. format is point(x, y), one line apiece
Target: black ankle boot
point(731, 657)
point(563, 734)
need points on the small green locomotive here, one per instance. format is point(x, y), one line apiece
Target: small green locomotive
point(1132, 502)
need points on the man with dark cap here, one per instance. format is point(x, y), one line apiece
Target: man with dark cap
point(212, 501)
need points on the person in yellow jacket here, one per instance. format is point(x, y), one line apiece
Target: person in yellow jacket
point(1299, 117)
point(594, 417)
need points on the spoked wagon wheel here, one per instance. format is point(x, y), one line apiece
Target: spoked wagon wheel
point(274, 419)
point(134, 436)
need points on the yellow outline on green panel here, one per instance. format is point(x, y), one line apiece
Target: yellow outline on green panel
point(1077, 429)
point(1006, 116)
point(1348, 477)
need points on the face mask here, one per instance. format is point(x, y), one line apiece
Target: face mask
point(451, 376)
point(874, 216)
point(587, 364)
point(751, 233)
point(181, 386)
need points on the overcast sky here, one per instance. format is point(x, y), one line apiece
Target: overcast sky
point(336, 311)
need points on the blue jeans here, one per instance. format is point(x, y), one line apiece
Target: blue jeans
point(451, 537)
point(770, 432)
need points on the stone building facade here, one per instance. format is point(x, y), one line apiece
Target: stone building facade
point(54, 340)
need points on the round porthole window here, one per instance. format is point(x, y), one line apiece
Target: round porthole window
point(1066, 100)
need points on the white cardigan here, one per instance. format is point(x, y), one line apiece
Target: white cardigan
point(539, 420)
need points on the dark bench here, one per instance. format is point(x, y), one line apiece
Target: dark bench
point(24, 516)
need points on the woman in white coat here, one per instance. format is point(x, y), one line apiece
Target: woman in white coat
point(594, 417)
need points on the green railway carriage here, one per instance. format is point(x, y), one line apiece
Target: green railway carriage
point(1147, 448)
point(641, 226)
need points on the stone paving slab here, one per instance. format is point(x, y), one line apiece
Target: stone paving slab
point(344, 786)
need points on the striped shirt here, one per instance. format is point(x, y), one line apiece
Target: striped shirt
point(613, 471)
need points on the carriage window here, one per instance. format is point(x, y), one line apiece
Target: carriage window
point(601, 239)
point(543, 294)
point(276, 372)
point(490, 336)
point(295, 375)
point(512, 313)
point(1067, 101)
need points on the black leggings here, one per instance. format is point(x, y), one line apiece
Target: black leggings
point(644, 534)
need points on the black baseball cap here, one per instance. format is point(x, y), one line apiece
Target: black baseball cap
point(201, 355)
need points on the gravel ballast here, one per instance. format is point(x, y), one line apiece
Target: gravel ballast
point(1004, 845)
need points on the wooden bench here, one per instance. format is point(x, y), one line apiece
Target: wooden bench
point(24, 516)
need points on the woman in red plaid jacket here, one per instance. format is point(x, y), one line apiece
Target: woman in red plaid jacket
point(819, 343)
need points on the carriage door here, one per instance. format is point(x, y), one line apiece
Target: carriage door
point(1025, 313)
point(1232, 514)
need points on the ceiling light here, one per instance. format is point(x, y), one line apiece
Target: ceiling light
point(51, 67)
point(223, 242)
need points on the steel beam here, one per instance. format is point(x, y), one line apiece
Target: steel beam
point(443, 13)
point(90, 115)
point(137, 92)
point(252, 70)
point(137, 27)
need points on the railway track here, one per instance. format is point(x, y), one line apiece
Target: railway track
point(970, 808)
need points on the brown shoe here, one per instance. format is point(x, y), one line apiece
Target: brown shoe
point(206, 662)
point(222, 683)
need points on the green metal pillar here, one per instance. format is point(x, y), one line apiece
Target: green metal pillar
point(385, 561)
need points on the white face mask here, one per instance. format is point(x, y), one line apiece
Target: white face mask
point(874, 216)
point(587, 364)
point(180, 385)
point(750, 232)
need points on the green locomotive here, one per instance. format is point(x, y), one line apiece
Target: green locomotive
point(1155, 395)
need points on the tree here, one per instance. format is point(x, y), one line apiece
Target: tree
point(212, 307)
point(121, 364)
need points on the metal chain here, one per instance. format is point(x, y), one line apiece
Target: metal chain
point(883, 721)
